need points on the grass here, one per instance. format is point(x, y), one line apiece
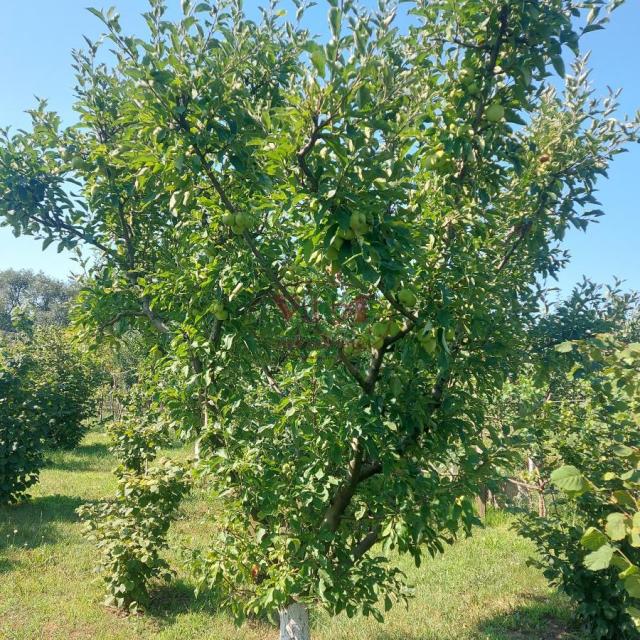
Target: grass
point(480, 589)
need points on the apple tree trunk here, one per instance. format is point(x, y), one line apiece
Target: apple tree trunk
point(294, 622)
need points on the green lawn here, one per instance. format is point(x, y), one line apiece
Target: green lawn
point(481, 589)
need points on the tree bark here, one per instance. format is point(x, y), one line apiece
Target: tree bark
point(542, 506)
point(294, 622)
point(481, 502)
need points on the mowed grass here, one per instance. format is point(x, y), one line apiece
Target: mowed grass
point(480, 589)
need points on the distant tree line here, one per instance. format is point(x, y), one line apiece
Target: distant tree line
point(46, 299)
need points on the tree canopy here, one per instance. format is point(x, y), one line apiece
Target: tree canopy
point(334, 248)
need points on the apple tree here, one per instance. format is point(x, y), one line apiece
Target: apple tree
point(333, 245)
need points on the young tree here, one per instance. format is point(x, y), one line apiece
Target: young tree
point(337, 245)
point(65, 379)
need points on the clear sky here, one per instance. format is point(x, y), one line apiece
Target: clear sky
point(36, 38)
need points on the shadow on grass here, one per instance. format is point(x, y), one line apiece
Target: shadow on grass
point(6, 565)
point(33, 523)
point(168, 601)
point(535, 621)
point(85, 457)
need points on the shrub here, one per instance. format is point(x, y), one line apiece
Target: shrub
point(612, 547)
point(131, 531)
point(46, 392)
point(65, 379)
point(591, 549)
point(600, 599)
point(21, 430)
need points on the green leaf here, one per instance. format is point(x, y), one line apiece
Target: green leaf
point(319, 61)
point(599, 559)
point(592, 539)
point(564, 347)
point(616, 527)
point(622, 451)
point(570, 480)
point(335, 18)
point(623, 498)
point(97, 13)
point(632, 585)
point(558, 65)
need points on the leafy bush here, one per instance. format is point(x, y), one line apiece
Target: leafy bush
point(46, 392)
point(65, 379)
point(600, 599)
point(137, 436)
point(597, 566)
point(613, 546)
point(21, 429)
point(131, 531)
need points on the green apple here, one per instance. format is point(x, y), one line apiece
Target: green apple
point(346, 234)
point(332, 254)
point(495, 112)
point(428, 343)
point(228, 219)
point(359, 223)
point(380, 329)
point(80, 165)
point(436, 160)
point(243, 220)
point(393, 328)
point(407, 297)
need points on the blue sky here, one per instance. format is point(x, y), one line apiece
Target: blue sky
point(36, 38)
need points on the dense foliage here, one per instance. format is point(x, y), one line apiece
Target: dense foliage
point(604, 419)
point(613, 544)
point(21, 429)
point(542, 404)
point(131, 530)
point(333, 248)
point(64, 380)
point(47, 386)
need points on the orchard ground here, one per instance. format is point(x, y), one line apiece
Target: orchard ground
point(480, 589)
